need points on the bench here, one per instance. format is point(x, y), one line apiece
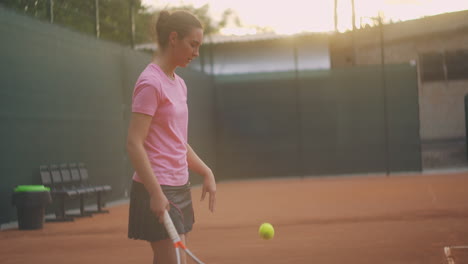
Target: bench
point(71, 181)
point(99, 189)
point(57, 192)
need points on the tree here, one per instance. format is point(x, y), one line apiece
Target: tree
point(36, 8)
point(80, 15)
point(114, 17)
point(210, 26)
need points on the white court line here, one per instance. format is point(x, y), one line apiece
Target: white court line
point(448, 253)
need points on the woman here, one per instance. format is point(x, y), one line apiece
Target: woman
point(157, 140)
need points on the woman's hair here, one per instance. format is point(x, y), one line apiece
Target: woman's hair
point(179, 21)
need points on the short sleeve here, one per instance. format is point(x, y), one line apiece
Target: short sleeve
point(145, 99)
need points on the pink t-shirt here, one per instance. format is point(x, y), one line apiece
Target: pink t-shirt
point(164, 99)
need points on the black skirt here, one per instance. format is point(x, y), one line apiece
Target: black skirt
point(143, 224)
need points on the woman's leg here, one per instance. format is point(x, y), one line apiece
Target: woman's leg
point(164, 252)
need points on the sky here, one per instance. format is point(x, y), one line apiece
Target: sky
point(314, 15)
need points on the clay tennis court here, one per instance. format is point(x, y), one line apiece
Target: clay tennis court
point(358, 219)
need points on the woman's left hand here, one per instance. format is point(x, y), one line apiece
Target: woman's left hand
point(209, 186)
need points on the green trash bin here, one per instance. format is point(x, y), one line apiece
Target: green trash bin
point(30, 202)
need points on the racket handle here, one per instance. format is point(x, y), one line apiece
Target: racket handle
point(177, 255)
point(170, 228)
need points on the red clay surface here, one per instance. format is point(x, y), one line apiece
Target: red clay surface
point(368, 219)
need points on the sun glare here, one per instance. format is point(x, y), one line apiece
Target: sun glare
point(295, 16)
point(237, 31)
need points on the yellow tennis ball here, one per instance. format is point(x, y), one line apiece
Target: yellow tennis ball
point(266, 231)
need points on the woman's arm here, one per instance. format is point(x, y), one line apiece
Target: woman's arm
point(137, 132)
point(209, 184)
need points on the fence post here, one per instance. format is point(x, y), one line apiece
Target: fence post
point(466, 123)
point(96, 8)
point(132, 23)
point(384, 91)
point(50, 11)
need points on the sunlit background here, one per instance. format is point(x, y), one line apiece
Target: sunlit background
point(295, 16)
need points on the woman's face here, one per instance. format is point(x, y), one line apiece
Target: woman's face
point(187, 48)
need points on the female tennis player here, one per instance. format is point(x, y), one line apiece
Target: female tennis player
point(157, 140)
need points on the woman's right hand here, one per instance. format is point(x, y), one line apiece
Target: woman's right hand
point(159, 204)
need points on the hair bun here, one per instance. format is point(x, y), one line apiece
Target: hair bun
point(162, 19)
point(178, 21)
point(164, 15)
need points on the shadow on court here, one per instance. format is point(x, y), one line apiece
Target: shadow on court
point(359, 219)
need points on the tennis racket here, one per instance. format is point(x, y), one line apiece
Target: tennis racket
point(171, 230)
